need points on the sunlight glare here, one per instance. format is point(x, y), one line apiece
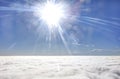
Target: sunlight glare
point(52, 13)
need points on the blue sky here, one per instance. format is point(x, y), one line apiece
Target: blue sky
point(93, 28)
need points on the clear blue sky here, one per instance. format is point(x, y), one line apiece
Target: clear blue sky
point(95, 30)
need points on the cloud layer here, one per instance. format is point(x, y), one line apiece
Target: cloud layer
point(60, 67)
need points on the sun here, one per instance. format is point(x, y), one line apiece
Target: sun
point(51, 13)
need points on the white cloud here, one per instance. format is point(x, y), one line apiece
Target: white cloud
point(59, 67)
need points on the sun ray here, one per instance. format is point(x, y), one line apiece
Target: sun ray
point(16, 9)
point(63, 40)
point(103, 21)
point(94, 25)
point(101, 29)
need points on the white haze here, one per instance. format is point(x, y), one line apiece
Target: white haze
point(60, 67)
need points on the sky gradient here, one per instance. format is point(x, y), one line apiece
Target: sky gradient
point(91, 27)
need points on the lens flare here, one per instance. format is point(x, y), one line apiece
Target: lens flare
point(51, 13)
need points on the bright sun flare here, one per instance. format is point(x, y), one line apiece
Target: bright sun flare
point(52, 13)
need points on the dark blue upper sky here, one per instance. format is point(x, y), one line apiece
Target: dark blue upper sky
point(95, 30)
